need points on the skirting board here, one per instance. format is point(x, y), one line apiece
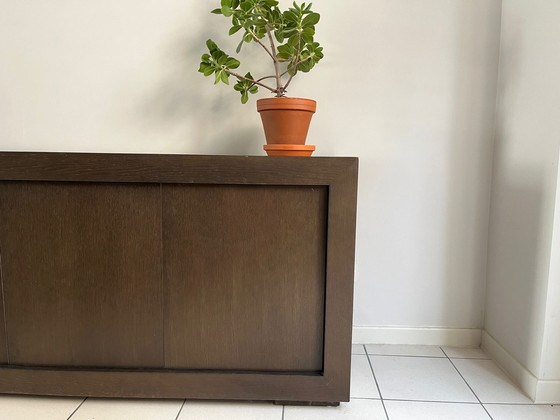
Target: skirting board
point(434, 336)
point(540, 391)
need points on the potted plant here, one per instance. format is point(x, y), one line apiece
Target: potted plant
point(287, 38)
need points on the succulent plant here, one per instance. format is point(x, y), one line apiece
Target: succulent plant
point(286, 36)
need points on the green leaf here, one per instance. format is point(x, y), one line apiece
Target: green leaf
point(226, 11)
point(226, 3)
point(218, 77)
point(254, 89)
point(217, 11)
point(279, 34)
point(203, 67)
point(290, 16)
point(246, 6)
point(211, 45)
point(225, 77)
point(308, 31)
point(244, 98)
point(222, 59)
point(234, 29)
point(293, 41)
point(238, 49)
point(311, 20)
point(308, 39)
point(232, 63)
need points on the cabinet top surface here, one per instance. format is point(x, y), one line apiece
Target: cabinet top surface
point(173, 168)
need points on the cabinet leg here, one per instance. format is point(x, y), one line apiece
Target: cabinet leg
point(309, 403)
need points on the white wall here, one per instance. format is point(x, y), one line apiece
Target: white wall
point(550, 362)
point(524, 186)
point(408, 86)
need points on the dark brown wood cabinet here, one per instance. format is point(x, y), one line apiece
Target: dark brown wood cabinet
point(169, 276)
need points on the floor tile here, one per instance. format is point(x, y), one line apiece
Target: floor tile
point(119, 409)
point(465, 353)
point(362, 383)
point(354, 410)
point(407, 410)
point(523, 412)
point(202, 410)
point(403, 350)
point(44, 408)
point(489, 382)
point(420, 379)
point(358, 349)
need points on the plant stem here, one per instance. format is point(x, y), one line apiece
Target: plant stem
point(279, 88)
point(255, 82)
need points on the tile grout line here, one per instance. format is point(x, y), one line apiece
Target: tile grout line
point(463, 378)
point(77, 408)
point(181, 409)
point(376, 383)
point(431, 401)
point(406, 355)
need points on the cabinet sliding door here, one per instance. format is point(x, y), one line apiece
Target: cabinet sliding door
point(81, 272)
point(244, 277)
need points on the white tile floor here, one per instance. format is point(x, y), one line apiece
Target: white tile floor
point(388, 382)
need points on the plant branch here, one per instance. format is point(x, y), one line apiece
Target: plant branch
point(258, 41)
point(255, 82)
point(263, 78)
point(279, 87)
point(266, 77)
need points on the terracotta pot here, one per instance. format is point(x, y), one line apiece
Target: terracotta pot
point(286, 122)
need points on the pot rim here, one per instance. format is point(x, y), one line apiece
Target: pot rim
point(286, 103)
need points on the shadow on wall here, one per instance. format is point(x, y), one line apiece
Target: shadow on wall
point(202, 118)
point(470, 159)
point(516, 275)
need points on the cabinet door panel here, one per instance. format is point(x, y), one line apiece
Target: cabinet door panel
point(82, 273)
point(244, 277)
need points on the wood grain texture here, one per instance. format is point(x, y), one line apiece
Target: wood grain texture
point(338, 178)
point(81, 269)
point(244, 277)
point(340, 274)
point(96, 167)
point(165, 384)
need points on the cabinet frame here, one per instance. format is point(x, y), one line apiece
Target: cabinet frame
point(339, 175)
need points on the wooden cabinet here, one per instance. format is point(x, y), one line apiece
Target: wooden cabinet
point(171, 276)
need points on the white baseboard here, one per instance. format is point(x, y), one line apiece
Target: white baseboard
point(539, 390)
point(461, 337)
point(519, 373)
